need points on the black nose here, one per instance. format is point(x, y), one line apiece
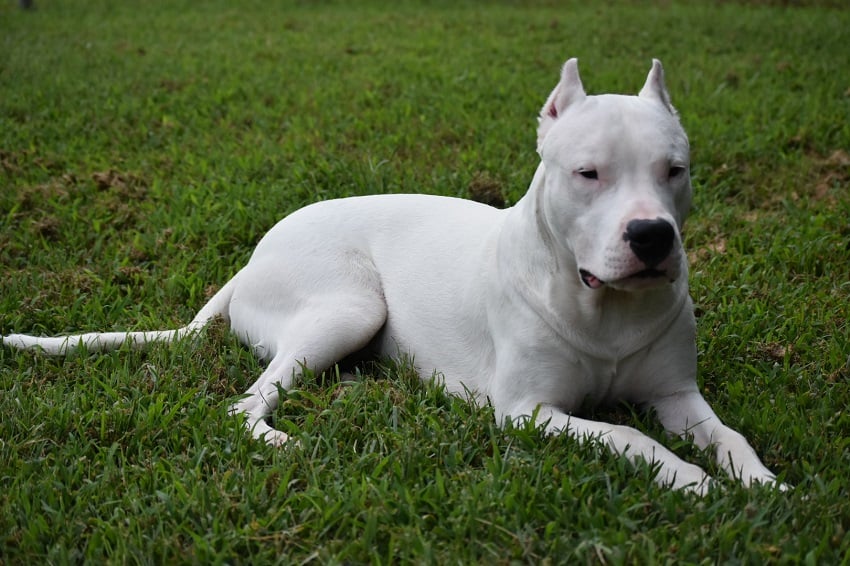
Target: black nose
point(650, 240)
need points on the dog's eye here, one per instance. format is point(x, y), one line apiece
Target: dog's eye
point(588, 173)
point(676, 171)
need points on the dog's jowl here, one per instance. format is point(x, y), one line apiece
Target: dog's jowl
point(577, 294)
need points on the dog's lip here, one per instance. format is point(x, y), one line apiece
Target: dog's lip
point(590, 279)
point(647, 274)
point(594, 282)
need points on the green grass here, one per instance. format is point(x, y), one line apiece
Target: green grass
point(146, 147)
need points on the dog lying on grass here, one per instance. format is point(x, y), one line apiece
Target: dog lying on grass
point(576, 295)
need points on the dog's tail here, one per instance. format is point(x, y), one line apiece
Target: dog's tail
point(105, 341)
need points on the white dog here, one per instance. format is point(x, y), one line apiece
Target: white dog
point(577, 295)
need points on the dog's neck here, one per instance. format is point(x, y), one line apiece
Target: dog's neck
point(547, 279)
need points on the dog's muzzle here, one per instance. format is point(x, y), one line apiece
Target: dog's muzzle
point(651, 241)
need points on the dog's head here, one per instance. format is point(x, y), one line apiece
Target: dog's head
point(616, 183)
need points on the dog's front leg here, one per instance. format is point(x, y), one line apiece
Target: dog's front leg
point(631, 443)
point(688, 413)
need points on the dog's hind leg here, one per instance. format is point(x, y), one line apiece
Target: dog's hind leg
point(315, 338)
point(262, 397)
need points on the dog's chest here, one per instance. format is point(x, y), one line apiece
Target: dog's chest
point(577, 381)
point(587, 382)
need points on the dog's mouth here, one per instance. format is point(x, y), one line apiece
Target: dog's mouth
point(593, 282)
point(590, 280)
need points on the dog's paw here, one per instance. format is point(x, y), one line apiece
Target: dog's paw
point(771, 483)
point(702, 488)
point(261, 430)
point(687, 478)
point(275, 438)
point(764, 478)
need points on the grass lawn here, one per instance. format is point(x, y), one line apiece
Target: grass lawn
point(145, 147)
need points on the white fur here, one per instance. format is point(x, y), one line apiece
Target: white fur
point(536, 309)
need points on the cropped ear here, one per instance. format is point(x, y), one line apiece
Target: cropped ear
point(654, 87)
point(569, 91)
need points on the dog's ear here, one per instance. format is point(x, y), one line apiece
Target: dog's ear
point(568, 91)
point(655, 88)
